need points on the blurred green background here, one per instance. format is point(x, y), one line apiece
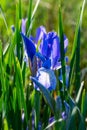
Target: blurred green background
point(47, 15)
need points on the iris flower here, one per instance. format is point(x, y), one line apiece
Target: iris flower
point(48, 46)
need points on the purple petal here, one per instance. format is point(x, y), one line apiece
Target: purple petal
point(64, 115)
point(29, 46)
point(50, 48)
point(47, 64)
point(51, 119)
point(55, 54)
point(43, 47)
point(40, 56)
point(39, 33)
point(56, 66)
point(47, 78)
point(23, 26)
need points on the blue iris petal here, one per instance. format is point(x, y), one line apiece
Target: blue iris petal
point(50, 48)
point(47, 78)
point(29, 46)
point(39, 33)
point(40, 56)
point(43, 47)
point(23, 26)
point(55, 54)
point(47, 64)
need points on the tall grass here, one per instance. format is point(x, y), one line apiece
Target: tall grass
point(22, 107)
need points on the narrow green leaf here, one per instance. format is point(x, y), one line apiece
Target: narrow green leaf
point(31, 17)
point(35, 9)
point(8, 55)
point(84, 103)
point(19, 85)
point(78, 98)
point(0, 52)
point(20, 11)
point(76, 121)
point(77, 64)
point(5, 127)
point(76, 43)
point(62, 49)
point(3, 17)
point(29, 14)
point(37, 108)
point(2, 79)
point(46, 94)
point(52, 125)
point(18, 37)
point(71, 102)
point(23, 72)
point(14, 98)
point(6, 50)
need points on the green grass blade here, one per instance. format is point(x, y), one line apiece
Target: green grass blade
point(35, 9)
point(2, 79)
point(84, 103)
point(76, 46)
point(18, 37)
point(77, 64)
point(62, 49)
point(3, 17)
point(5, 125)
point(19, 85)
point(32, 16)
point(52, 125)
point(78, 98)
point(17, 33)
point(20, 11)
point(76, 120)
point(29, 14)
point(37, 108)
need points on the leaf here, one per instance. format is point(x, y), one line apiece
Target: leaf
point(2, 79)
point(78, 98)
point(71, 102)
point(14, 98)
point(46, 94)
point(58, 122)
point(37, 108)
point(3, 17)
point(84, 103)
point(62, 49)
point(18, 36)
point(19, 85)
point(76, 43)
point(5, 125)
point(31, 17)
point(20, 12)
point(76, 121)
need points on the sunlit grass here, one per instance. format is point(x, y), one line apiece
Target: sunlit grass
point(22, 104)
